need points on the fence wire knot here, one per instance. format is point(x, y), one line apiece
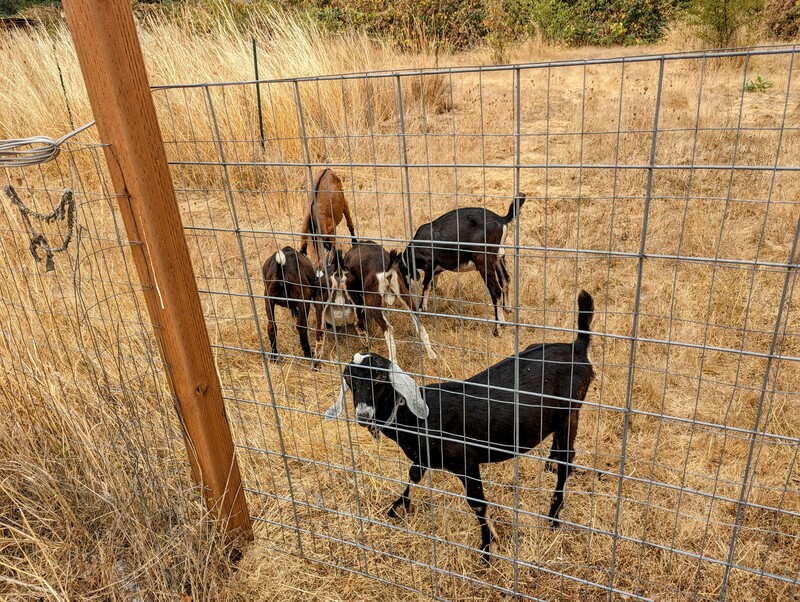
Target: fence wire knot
point(65, 208)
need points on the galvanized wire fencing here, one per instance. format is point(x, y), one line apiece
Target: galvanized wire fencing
point(93, 450)
point(665, 186)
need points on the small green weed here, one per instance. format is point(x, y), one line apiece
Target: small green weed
point(759, 84)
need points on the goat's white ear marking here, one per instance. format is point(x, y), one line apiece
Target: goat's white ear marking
point(407, 388)
point(358, 358)
point(320, 273)
point(385, 287)
point(336, 409)
point(280, 257)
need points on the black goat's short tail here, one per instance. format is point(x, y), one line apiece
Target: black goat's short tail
point(585, 315)
point(514, 208)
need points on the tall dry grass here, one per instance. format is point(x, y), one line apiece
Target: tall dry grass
point(95, 499)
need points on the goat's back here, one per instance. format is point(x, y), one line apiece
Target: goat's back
point(330, 200)
point(286, 269)
point(478, 414)
point(468, 224)
point(366, 257)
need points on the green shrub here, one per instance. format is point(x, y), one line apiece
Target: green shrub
point(719, 21)
point(411, 24)
point(759, 84)
point(590, 21)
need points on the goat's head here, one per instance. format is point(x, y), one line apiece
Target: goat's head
point(379, 387)
point(400, 261)
point(339, 307)
point(389, 281)
point(337, 278)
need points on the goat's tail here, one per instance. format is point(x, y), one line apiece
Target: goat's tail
point(585, 315)
point(280, 259)
point(514, 208)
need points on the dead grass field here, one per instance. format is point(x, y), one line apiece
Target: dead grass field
point(95, 501)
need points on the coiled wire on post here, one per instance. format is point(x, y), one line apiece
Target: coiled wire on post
point(40, 149)
point(13, 153)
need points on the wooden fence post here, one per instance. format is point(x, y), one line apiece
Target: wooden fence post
point(113, 69)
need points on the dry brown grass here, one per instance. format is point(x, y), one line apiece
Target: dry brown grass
point(94, 500)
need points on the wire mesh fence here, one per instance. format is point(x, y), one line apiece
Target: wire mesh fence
point(93, 450)
point(661, 185)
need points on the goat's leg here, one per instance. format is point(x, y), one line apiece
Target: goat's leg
point(374, 304)
point(558, 446)
point(566, 435)
point(321, 334)
point(477, 501)
point(300, 311)
point(486, 265)
point(415, 474)
point(426, 282)
point(388, 334)
point(272, 331)
point(421, 332)
point(361, 323)
point(552, 459)
point(349, 221)
point(504, 278)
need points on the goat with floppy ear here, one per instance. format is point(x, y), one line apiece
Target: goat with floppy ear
point(459, 425)
point(339, 309)
point(374, 284)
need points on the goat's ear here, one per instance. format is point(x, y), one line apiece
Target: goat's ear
point(394, 258)
point(407, 388)
point(336, 409)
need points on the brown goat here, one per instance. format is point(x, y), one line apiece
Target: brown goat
point(374, 283)
point(319, 226)
point(290, 281)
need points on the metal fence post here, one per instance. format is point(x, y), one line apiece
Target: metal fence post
point(110, 56)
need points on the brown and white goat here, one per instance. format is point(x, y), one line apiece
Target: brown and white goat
point(290, 281)
point(324, 211)
point(374, 283)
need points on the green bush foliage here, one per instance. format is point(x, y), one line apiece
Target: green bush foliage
point(719, 21)
point(434, 25)
point(578, 22)
point(412, 24)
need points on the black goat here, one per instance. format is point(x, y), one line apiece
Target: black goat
point(462, 240)
point(290, 281)
point(373, 283)
point(459, 425)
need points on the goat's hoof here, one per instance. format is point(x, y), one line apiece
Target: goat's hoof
point(551, 467)
point(555, 523)
point(392, 512)
point(274, 357)
point(496, 332)
point(486, 556)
